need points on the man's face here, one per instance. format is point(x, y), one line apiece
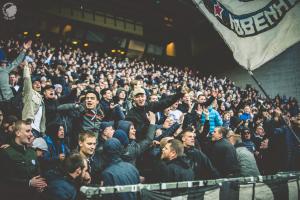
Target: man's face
point(91, 101)
point(49, 93)
point(260, 131)
point(109, 132)
point(186, 98)
point(140, 100)
point(24, 135)
point(132, 132)
point(84, 176)
point(247, 109)
point(36, 85)
point(108, 95)
point(88, 146)
point(168, 122)
point(167, 152)
point(12, 79)
point(216, 135)
point(227, 116)
point(188, 139)
point(153, 98)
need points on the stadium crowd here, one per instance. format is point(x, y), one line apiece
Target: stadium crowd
point(70, 117)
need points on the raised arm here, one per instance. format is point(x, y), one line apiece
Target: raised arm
point(27, 112)
point(20, 58)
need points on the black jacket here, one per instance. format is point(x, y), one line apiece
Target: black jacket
point(137, 114)
point(201, 165)
point(224, 158)
point(175, 170)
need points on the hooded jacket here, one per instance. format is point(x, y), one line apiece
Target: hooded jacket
point(118, 172)
point(56, 146)
point(134, 148)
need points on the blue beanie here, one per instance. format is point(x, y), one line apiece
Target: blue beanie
point(112, 147)
point(122, 137)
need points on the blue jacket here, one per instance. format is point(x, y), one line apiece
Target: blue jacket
point(54, 150)
point(215, 119)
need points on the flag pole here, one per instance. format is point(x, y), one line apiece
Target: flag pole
point(268, 98)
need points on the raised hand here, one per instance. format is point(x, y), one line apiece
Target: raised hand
point(151, 117)
point(27, 45)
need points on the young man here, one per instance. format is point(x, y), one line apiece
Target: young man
point(200, 163)
point(87, 148)
point(19, 167)
point(137, 114)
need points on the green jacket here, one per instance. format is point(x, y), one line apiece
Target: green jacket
point(18, 166)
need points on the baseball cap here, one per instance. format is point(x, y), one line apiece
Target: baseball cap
point(40, 143)
point(138, 91)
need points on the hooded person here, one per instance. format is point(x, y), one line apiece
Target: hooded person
point(135, 149)
point(118, 172)
point(121, 99)
point(57, 150)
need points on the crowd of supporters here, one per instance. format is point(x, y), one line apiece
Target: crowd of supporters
point(70, 117)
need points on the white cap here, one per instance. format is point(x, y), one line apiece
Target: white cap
point(40, 143)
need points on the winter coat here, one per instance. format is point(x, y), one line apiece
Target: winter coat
point(175, 170)
point(18, 166)
point(224, 158)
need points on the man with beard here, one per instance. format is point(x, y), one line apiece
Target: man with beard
point(174, 166)
point(19, 169)
point(65, 185)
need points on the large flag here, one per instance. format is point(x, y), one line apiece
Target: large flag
point(255, 30)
